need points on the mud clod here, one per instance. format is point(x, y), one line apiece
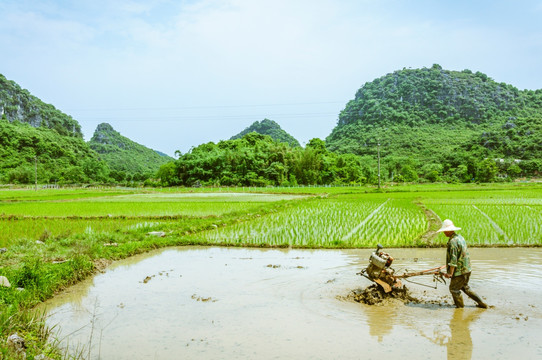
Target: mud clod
point(375, 295)
point(101, 264)
point(203, 299)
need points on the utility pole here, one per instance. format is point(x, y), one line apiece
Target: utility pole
point(378, 148)
point(36, 172)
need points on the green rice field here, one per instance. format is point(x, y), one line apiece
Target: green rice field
point(344, 221)
point(29, 215)
point(308, 217)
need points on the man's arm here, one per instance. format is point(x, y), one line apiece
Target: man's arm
point(450, 273)
point(453, 254)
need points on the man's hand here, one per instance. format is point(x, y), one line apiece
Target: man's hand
point(448, 276)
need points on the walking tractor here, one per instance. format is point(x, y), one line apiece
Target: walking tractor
point(380, 271)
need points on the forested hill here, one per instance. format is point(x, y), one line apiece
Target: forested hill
point(17, 104)
point(124, 156)
point(58, 159)
point(37, 139)
point(271, 128)
point(432, 115)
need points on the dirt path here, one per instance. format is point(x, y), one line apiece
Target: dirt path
point(434, 222)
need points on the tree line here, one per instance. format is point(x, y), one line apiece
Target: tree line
point(253, 160)
point(258, 160)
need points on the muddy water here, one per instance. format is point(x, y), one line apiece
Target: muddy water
point(221, 303)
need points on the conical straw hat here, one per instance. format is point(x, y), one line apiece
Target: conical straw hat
point(448, 225)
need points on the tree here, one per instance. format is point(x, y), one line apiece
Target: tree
point(461, 174)
point(23, 174)
point(167, 174)
point(409, 174)
point(486, 170)
point(95, 170)
point(276, 172)
point(533, 166)
point(513, 171)
point(73, 174)
point(432, 172)
point(318, 145)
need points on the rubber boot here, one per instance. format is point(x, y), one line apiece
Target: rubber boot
point(475, 297)
point(458, 299)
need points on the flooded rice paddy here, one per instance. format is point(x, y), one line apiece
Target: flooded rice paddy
point(219, 303)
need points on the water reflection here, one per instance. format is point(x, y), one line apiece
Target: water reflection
point(381, 321)
point(456, 336)
point(459, 345)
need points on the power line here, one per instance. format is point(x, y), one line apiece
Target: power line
point(205, 106)
point(202, 117)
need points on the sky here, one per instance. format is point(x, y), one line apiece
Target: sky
point(174, 74)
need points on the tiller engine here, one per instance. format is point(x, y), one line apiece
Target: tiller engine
point(379, 270)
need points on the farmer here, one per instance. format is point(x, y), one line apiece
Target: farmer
point(458, 265)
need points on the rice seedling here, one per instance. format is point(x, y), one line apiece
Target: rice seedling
point(330, 223)
point(520, 224)
point(502, 218)
point(476, 228)
point(311, 223)
point(400, 223)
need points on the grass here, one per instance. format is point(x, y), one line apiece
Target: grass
point(80, 229)
point(42, 229)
